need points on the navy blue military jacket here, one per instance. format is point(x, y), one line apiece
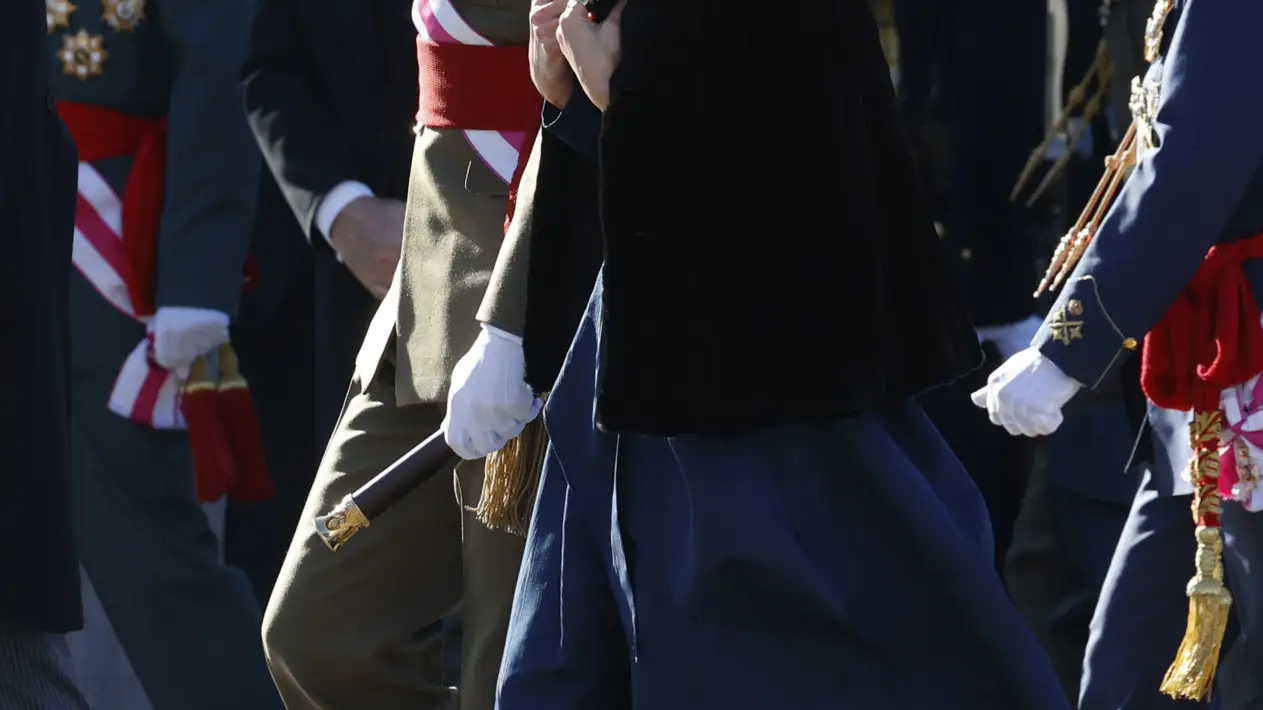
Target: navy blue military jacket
point(1200, 184)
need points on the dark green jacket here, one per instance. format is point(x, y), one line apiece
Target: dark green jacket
point(177, 59)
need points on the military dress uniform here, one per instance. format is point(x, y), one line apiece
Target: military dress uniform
point(357, 628)
point(166, 197)
point(1196, 184)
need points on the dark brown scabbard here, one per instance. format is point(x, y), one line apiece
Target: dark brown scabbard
point(354, 512)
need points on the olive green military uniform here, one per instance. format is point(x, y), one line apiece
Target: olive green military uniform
point(187, 623)
point(355, 629)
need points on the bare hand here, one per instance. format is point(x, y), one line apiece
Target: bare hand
point(549, 69)
point(593, 50)
point(368, 234)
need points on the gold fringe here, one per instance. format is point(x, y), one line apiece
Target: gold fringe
point(1192, 673)
point(512, 480)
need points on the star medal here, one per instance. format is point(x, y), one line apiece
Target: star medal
point(82, 55)
point(123, 15)
point(57, 13)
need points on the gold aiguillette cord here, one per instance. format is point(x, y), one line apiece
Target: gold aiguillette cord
point(1072, 245)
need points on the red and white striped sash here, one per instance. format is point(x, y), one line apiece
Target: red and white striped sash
point(438, 22)
point(143, 391)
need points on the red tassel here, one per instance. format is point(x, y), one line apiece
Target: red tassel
point(253, 483)
point(214, 467)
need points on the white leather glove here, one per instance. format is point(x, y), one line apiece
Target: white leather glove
point(1026, 393)
point(490, 402)
point(1011, 338)
point(182, 335)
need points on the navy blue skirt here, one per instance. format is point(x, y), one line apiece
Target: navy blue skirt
point(829, 566)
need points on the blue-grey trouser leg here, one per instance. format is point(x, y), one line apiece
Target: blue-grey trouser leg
point(36, 671)
point(188, 623)
point(1140, 617)
point(1243, 562)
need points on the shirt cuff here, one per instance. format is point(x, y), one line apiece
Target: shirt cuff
point(332, 204)
point(499, 333)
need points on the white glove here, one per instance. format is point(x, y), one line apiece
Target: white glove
point(182, 335)
point(1026, 393)
point(1011, 338)
point(490, 402)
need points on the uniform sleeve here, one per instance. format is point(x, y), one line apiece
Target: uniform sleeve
point(1178, 200)
point(504, 302)
point(301, 143)
point(212, 161)
point(578, 125)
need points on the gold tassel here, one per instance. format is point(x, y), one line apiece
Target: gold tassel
point(512, 480)
point(1192, 674)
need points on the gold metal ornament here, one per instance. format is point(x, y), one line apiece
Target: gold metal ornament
point(123, 15)
point(82, 55)
point(1145, 96)
point(340, 524)
point(57, 14)
point(1153, 29)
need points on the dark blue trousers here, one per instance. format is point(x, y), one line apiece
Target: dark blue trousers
point(1140, 618)
point(835, 565)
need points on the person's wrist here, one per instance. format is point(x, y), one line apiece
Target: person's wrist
point(560, 94)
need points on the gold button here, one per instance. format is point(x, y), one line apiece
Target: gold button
point(1075, 308)
point(966, 255)
point(1129, 343)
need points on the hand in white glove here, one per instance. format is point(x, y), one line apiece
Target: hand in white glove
point(490, 402)
point(182, 335)
point(1011, 338)
point(1026, 393)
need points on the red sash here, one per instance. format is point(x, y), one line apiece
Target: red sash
point(1210, 338)
point(101, 133)
point(479, 88)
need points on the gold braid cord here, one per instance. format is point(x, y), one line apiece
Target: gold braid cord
point(1192, 673)
point(1117, 166)
point(512, 480)
point(1097, 81)
point(1076, 240)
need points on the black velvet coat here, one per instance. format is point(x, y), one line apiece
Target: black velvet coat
point(39, 566)
point(769, 257)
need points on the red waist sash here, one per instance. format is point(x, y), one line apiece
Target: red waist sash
point(102, 133)
point(1210, 338)
point(479, 88)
